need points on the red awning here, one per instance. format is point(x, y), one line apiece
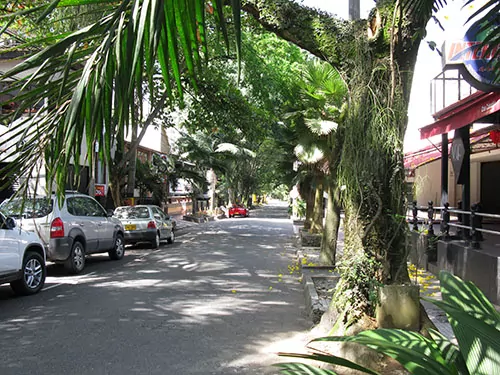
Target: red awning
point(427, 154)
point(460, 114)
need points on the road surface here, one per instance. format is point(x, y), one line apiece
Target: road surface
point(220, 300)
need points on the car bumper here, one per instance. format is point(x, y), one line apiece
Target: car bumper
point(139, 236)
point(58, 249)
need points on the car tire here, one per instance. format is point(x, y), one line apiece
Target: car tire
point(156, 243)
point(76, 261)
point(34, 273)
point(171, 239)
point(118, 251)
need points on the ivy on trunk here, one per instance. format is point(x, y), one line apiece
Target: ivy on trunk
point(376, 60)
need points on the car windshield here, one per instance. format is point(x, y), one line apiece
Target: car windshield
point(27, 209)
point(132, 213)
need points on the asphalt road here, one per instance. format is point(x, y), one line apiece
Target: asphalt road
point(220, 300)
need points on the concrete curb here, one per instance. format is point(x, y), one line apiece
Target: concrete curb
point(313, 307)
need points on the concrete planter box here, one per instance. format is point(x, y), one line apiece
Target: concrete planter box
point(198, 219)
point(399, 307)
point(318, 282)
point(310, 240)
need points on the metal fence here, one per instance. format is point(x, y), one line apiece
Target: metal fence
point(468, 224)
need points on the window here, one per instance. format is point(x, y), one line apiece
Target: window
point(84, 206)
point(94, 208)
point(27, 209)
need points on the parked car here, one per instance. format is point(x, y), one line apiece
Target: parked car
point(238, 210)
point(22, 258)
point(77, 227)
point(145, 223)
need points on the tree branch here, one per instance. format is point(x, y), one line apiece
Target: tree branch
point(313, 30)
point(149, 120)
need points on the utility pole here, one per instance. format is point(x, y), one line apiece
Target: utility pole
point(354, 10)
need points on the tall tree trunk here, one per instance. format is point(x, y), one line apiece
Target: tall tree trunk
point(132, 162)
point(213, 196)
point(317, 214)
point(307, 194)
point(332, 224)
point(377, 61)
point(114, 187)
point(230, 195)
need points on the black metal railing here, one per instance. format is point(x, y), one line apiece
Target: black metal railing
point(472, 233)
point(428, 220)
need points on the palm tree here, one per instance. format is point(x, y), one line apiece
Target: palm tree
point(87, 80)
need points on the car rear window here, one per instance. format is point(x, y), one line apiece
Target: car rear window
point(28, 208)
point(132, 213)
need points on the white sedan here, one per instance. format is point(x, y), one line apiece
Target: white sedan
point(145, 223)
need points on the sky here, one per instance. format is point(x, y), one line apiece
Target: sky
point(452, 17)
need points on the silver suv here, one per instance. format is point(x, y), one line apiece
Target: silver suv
point(77, 227)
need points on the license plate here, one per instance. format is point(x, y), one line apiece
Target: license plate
point(130, 227)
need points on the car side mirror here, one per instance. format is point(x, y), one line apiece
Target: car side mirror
point(10, 223)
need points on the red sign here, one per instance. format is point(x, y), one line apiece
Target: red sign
point(100, 190)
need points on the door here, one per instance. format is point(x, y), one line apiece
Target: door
point(163, 223)
point(82, 219)
point(9, 248)
point(105, 227)
point(490, 180)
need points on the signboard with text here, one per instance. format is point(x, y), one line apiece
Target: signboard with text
point(474, 58)
point(100, 190)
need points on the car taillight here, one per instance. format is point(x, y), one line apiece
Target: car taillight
point(57, 228)
point(151, 225)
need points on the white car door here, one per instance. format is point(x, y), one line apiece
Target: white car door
point(10, 259)
point(164, 223)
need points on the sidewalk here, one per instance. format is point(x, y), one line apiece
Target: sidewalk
point(429, 287)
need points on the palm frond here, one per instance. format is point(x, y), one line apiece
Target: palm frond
point(89, 78)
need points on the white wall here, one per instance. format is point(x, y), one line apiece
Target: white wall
point(428, 180)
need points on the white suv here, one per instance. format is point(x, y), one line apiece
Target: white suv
point(71, 230)
point(22, 258)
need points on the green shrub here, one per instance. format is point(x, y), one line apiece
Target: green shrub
point(475, 323)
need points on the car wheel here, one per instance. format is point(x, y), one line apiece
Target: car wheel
point(76, 261)
point(171, 239)
point(156, 243)
point(34, 273)
point(118, 250)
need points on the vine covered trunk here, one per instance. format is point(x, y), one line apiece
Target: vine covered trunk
point(317, 212)
point(332, 224)
point(307, 194)
point(376, 60)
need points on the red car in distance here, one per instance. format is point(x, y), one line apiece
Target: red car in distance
point(238, 210)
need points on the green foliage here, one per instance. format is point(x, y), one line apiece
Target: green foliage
point(91, 77)
point(299, 206)
point(148, 179)
point(475, 323)
point(280, 192)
